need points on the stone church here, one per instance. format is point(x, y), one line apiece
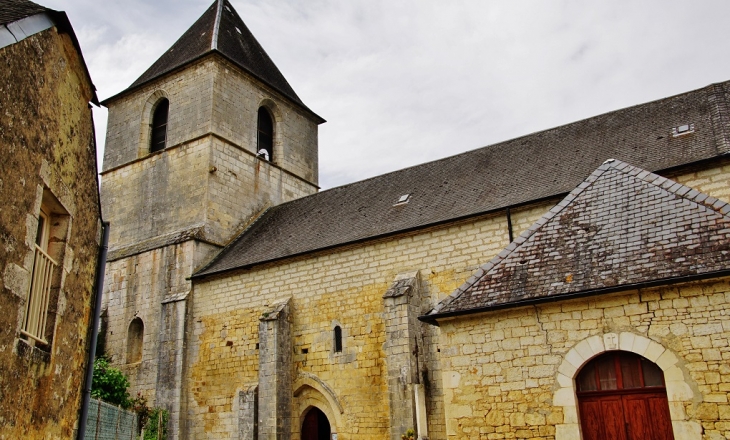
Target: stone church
point(572, 283)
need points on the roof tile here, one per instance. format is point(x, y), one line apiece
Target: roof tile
point(601, 240)
point(534, 167)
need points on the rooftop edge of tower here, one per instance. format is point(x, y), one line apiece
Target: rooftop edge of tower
point(219, 30)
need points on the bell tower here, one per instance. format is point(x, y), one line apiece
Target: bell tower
point(207, 139)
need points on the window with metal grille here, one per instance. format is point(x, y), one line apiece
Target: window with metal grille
point(265, 136)
point(159, 126)
point(39, 295)
point(338, 339)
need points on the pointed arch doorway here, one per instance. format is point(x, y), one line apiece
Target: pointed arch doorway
point(622, 396)
point(315, 425)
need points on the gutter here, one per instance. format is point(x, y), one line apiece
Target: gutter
point(432, 319)
point(98, 288)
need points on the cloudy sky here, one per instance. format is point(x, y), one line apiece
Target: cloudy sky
point(405, 82)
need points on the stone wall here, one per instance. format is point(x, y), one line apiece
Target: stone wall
point(207, 183)
point(152, 286)
point(509, 374)
point(342, 287)
point(49, 157)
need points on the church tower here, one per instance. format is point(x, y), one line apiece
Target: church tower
point(207, 139)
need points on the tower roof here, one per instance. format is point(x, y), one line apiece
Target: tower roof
point(220, 30)
point(622, 228)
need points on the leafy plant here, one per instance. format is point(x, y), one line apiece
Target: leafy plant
point(140, 406)
point(157, 418)
point(110, 384)
point(409, 435)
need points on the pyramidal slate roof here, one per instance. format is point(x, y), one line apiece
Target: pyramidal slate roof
point(221, 30)
point(547, 164)
point(622, 227)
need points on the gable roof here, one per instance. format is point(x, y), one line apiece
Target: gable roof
point(14, 10)
point(541, 165)
point(220, 30)
point(623, 226)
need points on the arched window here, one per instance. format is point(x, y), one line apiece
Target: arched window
point(159, 126)
point(265, 136)
point(338, 339)
point(135, 338)
point(622, 395)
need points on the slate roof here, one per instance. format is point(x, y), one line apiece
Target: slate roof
point(546, 164)
point(14, 10)
point(221, 30)
point(623, 226)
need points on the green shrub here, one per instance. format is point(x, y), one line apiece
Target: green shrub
point(110, 384)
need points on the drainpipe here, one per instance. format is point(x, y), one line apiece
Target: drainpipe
point(99, 286)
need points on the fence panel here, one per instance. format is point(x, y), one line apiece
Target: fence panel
point(109, 422)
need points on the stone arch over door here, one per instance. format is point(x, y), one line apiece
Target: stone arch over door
point(679, 392)
point(310, 392)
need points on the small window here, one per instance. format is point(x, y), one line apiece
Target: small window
point(135, 339)
point(338, 339)
point(158, 139)
point(265, 137)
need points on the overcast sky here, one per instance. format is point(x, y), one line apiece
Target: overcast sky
point(405, 82)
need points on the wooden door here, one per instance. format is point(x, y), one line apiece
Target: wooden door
point(315, 426)
point(621, 396)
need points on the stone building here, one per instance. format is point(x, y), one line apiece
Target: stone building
point(49, 222)
point(253, 306)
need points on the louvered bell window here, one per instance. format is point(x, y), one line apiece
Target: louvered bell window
point(159, 126)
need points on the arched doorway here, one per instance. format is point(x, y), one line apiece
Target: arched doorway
point(315, 426)
point(622, 396)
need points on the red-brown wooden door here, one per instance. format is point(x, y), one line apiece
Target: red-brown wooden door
point(621, 396)
point(315, 426)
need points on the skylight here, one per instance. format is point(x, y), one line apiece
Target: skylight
point(402, 199)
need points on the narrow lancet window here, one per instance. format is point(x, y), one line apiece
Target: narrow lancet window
point(159, 126)
point(338, 339)
point(265, 137)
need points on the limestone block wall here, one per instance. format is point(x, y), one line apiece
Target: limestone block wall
point(190, 93)
point(237, 98)
point(160, 195)
point(46, 136)
point(241, 187)
point(510, 373)
point(343, 288)
point(137, 287)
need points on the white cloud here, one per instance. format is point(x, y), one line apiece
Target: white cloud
point(405, 82)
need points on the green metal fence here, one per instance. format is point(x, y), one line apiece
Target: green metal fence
point(109, 422)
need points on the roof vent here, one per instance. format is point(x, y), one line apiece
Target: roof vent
point(402, 200)
point(683, 129)
point(238, 30)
